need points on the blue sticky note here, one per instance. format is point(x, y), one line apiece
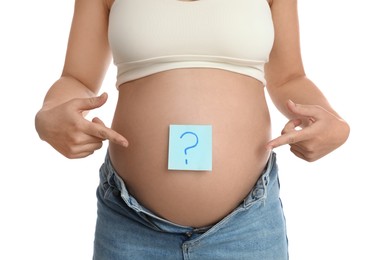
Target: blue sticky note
point(190, 147)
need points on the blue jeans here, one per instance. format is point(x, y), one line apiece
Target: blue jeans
point(127, 230)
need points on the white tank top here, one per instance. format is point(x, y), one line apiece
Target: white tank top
point(150, 36)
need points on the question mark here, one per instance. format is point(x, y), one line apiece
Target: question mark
point(189, 147)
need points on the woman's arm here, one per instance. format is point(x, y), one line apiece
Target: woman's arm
point(61, 120)
point(297, 97)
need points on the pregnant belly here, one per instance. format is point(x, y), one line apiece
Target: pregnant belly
point(233, 104)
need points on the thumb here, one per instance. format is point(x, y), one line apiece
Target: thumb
point(93, 102)
point(303, 110)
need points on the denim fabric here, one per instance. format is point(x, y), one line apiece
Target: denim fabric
point(127, 230)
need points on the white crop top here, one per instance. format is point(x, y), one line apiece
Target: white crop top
point(150, 36)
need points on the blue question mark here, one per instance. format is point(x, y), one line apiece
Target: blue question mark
point(189, 147)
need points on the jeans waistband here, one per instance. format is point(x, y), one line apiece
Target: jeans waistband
point(259, 192)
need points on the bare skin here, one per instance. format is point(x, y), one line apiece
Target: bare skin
point(234, 104)
point(191, 96)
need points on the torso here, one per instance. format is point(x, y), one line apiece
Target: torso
point(236, 108)
point(232, 103)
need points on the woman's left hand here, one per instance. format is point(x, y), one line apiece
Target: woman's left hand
point(313, 133)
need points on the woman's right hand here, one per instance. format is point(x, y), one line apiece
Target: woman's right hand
point(65, 128)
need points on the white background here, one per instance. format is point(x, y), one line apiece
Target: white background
point(333, 206)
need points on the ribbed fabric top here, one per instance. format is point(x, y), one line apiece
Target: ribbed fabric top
point(150, 36)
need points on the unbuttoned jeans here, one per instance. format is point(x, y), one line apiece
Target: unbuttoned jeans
point(126, 230)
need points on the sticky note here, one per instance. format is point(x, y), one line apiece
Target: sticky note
point(190, 147)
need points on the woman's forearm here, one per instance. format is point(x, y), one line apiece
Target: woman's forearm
point(65, 89)
point(300, 90)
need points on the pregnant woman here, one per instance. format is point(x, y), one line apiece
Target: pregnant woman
point(190, 63)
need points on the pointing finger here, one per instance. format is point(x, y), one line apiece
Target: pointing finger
point(98, 121)
point(287, 138)
point(98, 129)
